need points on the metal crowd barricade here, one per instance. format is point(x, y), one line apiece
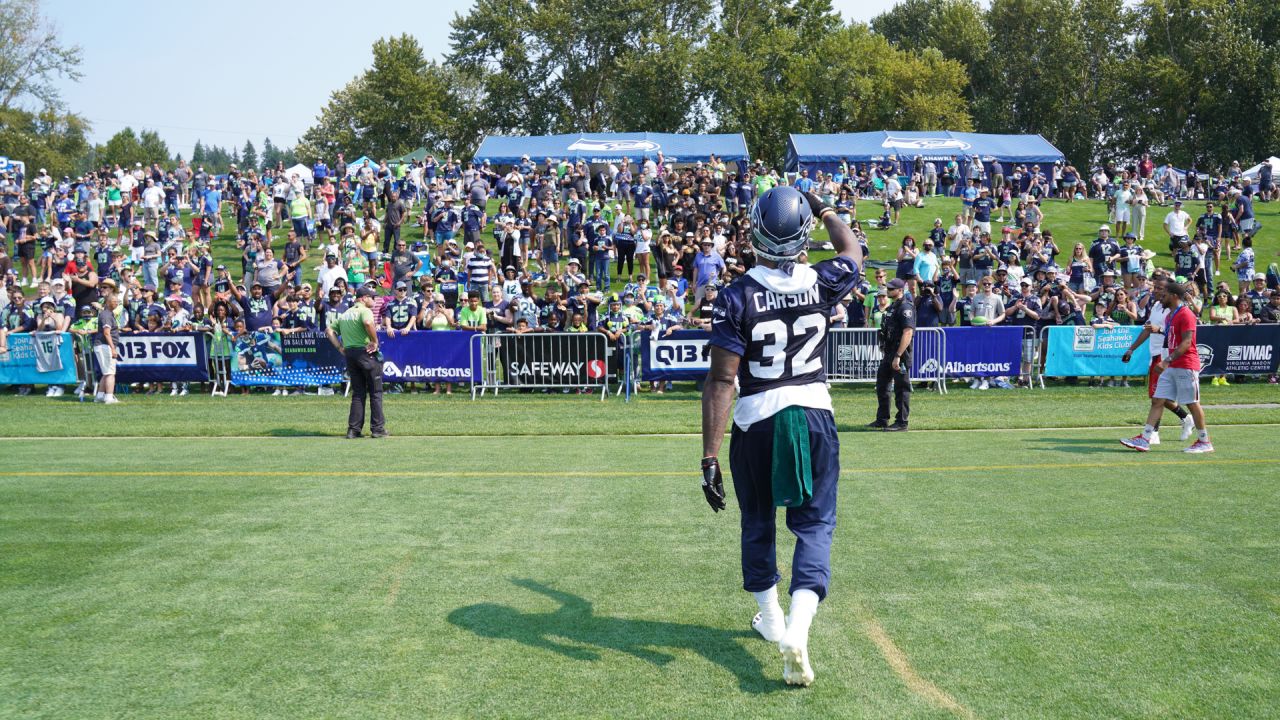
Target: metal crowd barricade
point(1035, 356)
point(853, 356)
point(1041, 355)
point(628, 364)
point(221, 351)
point(84, 369)
point(544, 361)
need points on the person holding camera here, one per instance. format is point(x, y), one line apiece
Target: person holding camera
point(354, 333)
point(896, 331)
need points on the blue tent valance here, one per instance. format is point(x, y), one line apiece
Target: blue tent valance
point(826, 151)
point(612, 147)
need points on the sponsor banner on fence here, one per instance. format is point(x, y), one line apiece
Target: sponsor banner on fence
point(39, 359)
point(428, 356)
point(981, 352)
point(1084, 351)
point(560, 359)
point(854, 354)
point(294, 359)
point(682, 355)
point(1238, 349)
point(178, 357)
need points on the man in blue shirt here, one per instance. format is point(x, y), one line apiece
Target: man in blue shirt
point(707, 266)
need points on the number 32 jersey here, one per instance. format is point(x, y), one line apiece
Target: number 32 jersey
point(777, 323)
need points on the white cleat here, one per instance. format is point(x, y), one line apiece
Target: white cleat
point(1155, 439)
point(772, 631)
point(795, 663)
point(1188, 427)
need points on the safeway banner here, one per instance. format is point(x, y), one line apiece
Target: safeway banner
point(52, 362)
point(1238, 349)
point(176, 357)
point(682, 355)
point(429, 356)
point(553, 359)
point(1084, 351)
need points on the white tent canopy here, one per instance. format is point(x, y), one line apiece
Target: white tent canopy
point(1273, 161)
point(301, 171)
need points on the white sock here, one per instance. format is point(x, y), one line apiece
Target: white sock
point(1148, 431)
point(804, 604)
point(768, 602)
point(1204, 435)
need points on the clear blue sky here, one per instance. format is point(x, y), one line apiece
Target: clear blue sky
point(212, 71)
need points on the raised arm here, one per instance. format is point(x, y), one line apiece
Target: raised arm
point(842, 237)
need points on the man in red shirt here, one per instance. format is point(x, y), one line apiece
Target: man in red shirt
point(1180, 377)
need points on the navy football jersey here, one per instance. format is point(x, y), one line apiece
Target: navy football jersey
point(782, 338)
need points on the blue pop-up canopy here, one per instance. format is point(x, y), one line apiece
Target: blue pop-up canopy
point(826, 151)
point(612, 147)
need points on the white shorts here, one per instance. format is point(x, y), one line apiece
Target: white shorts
point(1246, 225)
point(1122, 215)
point(106, 363)
point(136, 253)
point(1179, 385)
point(983, 226)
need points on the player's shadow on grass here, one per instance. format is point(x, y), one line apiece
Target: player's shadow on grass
point(576, 622)
point(1080, 446)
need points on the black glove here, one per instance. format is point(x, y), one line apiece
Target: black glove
point(713, 483)
point(815, 203)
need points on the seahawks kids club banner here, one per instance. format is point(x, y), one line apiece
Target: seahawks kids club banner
point(177, 357)
point(45, 358)
point(1082, 351)
point(429, 356)
point(293, 359)
point(682, 355)
point(1238, 349)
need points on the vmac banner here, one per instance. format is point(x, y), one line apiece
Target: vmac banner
point(545, 359)
point(682, 355)
point(428, 356)
point(983, 351)
point(293, 359)
point(39, 359)
point(179, 357)
point(1238, 349)
point(1083, 351)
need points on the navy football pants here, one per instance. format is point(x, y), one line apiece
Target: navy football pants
point(751, 462)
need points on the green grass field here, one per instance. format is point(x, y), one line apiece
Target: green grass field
point(535, 556)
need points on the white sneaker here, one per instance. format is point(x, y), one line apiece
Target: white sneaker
point(98, 397)
point(1188, 427)
point(59, 391)
point(795, 661)
point(984, 385)
point(174, 391)
point(771, 631)
point(184, 391)
point(276, 392)
point(1155, 438)
point(110, 400)
point(974, 385)
point(49, 392)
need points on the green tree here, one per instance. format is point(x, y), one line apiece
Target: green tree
point(123, 149)
point(153, 148)
point(1213, 72)
point(198, 155)
point(249, 155)
point(957, 28)
point(48, 139)
point(32, 59)
point(398, 104)
point(550, 67)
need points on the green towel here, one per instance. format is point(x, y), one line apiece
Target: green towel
point(792, 470)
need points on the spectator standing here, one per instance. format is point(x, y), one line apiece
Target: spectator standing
point(896, 330)
point(105, 350)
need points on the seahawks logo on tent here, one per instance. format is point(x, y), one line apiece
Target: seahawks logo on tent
point(585, 145)
point(925, 143)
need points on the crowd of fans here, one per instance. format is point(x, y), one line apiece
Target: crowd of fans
point(609, 248)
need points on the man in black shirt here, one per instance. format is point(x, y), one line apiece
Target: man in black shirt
point(896, 331)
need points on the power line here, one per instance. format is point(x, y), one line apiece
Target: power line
point(222, 131)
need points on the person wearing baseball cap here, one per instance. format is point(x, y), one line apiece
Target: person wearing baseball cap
point(354, 333)
point(896, 331)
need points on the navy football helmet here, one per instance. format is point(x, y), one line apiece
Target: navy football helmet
point(780, 224)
